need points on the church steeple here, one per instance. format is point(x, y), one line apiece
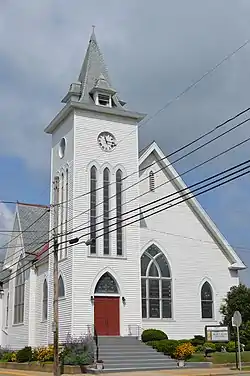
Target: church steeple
point(94, 85)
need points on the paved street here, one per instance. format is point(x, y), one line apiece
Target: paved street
point(184, 372)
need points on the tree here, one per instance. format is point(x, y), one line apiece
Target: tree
point(238, 299)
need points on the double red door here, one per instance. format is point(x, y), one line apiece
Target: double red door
point(107, 316)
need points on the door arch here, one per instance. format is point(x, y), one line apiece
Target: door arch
point(107, 306)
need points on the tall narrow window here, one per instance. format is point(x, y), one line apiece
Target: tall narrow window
point(93, 203)
point(156, 286)
point(19, 293)
point(66, 210)
point(7, 310)
point(119, 232)
point(106, 209)
point(206, 301)
point(61, 288)
point(45, 300)
point(61, 214)
point(151, 181)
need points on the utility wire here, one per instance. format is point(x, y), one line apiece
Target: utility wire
point(175, 152)
point(137, 220)
point(178, 193)
point(164, 167)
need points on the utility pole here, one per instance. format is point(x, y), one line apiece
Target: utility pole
point(56, 367)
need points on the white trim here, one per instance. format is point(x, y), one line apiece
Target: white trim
point(200, 213)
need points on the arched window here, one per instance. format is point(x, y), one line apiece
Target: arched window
point(19, 293)
point(151, 181)
point(93, 203)
point(106, 285)
point(62, 203)
point(156, 285)
point(66, 211)
point(119, 232)
point(45, 300)
point(7, 310)
point(106, 209)
point(206, 301)
point(61, 289)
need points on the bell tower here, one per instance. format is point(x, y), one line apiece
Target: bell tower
point(99, 136)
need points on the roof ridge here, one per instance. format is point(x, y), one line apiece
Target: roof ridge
point(34, 205)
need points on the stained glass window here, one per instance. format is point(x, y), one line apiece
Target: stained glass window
point(206, 301)
point(106, 285)
point(156, 284)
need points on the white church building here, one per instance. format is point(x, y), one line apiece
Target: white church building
point(147, 268)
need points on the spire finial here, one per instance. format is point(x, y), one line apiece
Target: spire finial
point(93, 38)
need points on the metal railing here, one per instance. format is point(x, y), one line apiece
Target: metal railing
point(135, 331)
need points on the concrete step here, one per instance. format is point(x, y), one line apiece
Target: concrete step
point(136, 357)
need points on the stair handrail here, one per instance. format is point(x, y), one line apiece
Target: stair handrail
point(138, 331)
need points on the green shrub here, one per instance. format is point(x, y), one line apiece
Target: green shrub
point(167, 346)
point(153, 344)
point(8, 356)
point(24, 355)
point(209, 345)
point(78, 351)
point(247, 346)
point(153, 335)
point(199, 349)
point(197, 340)
point(230, 346)
point(74, 359)
point(219, 345)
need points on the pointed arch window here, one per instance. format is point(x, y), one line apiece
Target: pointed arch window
point(119, 232)
point(156, 285)
point(61, 288)
point(106, 285)
point(45, 300)
point(106, 210)
point(66, 210)
point(93, 203)
point(19, 292)
point(61, 215)
point(151, 181)
point(206, 301)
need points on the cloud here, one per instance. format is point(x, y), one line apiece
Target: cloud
point(153, 50)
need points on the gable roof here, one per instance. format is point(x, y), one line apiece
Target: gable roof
point(197, 209)
point(34, 218)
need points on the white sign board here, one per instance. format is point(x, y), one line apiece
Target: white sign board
point(217, 333)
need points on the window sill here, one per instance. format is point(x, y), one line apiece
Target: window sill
point(63, 259)
point(108, 257)
point(19, 324)
point(208, 320)
point(158, 319)
point(43, 321)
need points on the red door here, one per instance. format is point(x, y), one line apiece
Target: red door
point(107, 316)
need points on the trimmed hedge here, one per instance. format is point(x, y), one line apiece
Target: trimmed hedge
point(153, 335)
point(167, 346)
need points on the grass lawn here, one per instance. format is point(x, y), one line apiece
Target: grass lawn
point(220, 358)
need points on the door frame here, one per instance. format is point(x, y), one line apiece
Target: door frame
point(107, 296)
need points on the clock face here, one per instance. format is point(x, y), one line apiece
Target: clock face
point(106, 141)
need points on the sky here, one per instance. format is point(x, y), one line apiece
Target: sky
point(153, 51)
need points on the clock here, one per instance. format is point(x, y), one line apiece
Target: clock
point(106, 141)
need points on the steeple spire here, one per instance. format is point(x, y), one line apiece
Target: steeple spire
point(93, 78)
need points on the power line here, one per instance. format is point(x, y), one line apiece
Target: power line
point(179, 192)
point(148, 215)
point(180, 149)
point(170, 164)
